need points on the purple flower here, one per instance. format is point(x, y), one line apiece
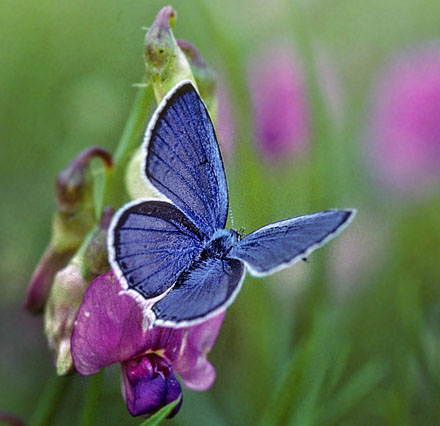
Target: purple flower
point(280, 100)
point(280, 103)
point(111, 327)
point(148, 383)
point(404, 126)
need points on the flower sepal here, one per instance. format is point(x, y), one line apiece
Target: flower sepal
point(165, 62)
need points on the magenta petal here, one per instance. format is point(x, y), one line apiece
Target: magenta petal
point(404, 126)
point(190, 362)
point(110, 327)
point(186, 350)
point(280, 103)
point(148, 384)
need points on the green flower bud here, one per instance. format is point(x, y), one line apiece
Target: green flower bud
point(136, 185)
point(59, 317)
point(67, 291)
point(166, 64)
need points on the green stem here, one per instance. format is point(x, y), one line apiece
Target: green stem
point(50, 401)
point(90, 410)
point(131, 138)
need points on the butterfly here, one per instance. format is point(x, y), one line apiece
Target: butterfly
point(175, 253)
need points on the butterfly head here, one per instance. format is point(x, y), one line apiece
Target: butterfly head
point(221, 243)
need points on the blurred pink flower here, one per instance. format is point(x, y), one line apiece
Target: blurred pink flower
point(280, 100)
point(404, 125)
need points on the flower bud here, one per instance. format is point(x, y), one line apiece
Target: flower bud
point(149, 384)
point(68, 290)
point(59, 317)
point(50, 263)
point(204, 76)
point(136, 185)
point(96, 257)
point(73, 219)
point(73, 186)
point(166, 64)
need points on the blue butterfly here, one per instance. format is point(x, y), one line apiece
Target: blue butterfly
point(177, 254)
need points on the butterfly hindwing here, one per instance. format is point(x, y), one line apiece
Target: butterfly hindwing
point(280, 244)
point(183, 158)
point(208, 287)
point(152, 243)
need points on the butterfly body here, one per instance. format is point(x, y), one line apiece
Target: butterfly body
point(177, 253)
point(220, 243)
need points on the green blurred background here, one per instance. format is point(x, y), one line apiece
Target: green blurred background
point(350, 338)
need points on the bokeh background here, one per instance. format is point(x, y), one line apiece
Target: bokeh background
point(323, 104)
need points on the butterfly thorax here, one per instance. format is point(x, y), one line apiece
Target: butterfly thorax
point(220, 244)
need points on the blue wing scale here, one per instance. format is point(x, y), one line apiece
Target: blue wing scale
point(281, 244)
point(208, 287)
point(153, 242)
point(183, 159)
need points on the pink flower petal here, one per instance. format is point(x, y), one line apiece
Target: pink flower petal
point(109, 327)
point(280, 103)
point(404, 125)
point(191, 364)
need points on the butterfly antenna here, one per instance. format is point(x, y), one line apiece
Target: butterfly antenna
point(231, 217)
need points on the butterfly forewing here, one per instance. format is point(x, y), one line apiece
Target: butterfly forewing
point(152, 243)
point(183, 159)
point(280, 244)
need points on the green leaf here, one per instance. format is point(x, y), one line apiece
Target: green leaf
point(366, 379)
point(130, 140)
point(90, 410)
point(160, 415)
point(50, 401)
